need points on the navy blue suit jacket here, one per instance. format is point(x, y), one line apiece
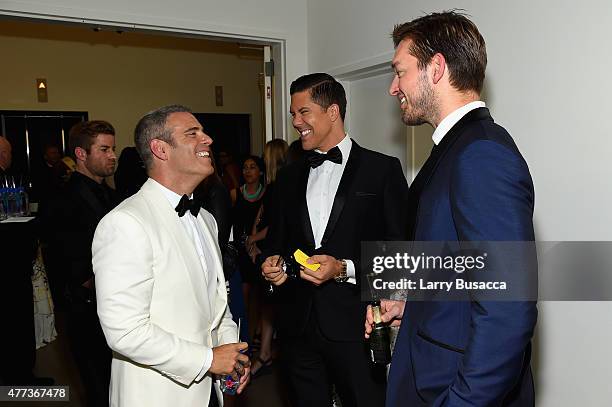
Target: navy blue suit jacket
point(475, 186)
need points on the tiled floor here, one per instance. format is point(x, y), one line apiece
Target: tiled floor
point(55, 360)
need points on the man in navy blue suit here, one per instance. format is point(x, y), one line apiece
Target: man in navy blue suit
point(475, 186)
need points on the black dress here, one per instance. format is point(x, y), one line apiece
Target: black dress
point(245, 213)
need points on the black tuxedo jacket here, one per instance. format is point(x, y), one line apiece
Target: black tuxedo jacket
point(70, 220)
point(369, 205)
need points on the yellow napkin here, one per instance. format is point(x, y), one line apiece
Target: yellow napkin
point(301, 258)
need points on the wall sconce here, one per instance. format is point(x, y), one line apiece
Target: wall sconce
point(41, 90)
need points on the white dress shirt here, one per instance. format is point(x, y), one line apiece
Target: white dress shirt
point(192, 229)
point(449, 121)
point(322, 187)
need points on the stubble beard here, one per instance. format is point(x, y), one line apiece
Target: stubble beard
point(423, 108)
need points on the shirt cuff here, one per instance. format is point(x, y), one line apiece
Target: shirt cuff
point(207, 363)
point(350, 272)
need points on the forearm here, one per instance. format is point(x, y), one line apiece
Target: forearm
point(261, 235)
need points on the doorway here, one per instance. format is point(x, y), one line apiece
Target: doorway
point(30, 134)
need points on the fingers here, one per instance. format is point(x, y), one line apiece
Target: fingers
point(228, 359)
point(272, 272)
point(318, 258)
point(244, 380)
point(369, 321)
point(390, 314)
point(369, 315)
point(311, 276)
point(271, 261)
point(238, 368)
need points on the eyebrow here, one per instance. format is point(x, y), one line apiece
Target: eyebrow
point(196, 128)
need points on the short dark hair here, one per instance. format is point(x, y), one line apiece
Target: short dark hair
point(259, 162)
point(83, 134)
point(153, 126)
point(453, 35)
point(324, 90)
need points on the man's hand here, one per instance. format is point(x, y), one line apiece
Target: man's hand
point(391, 311)
point(227, 359)
point(271, 271)
point(244, 379)
point(330, 268)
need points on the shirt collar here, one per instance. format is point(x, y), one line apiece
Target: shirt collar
point(170, 195)
point(449, 121)
point(344, 146)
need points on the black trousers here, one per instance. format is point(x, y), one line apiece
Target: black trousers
point(91, 353)
point(313, 363)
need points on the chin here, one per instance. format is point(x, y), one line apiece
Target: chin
point(307, 146)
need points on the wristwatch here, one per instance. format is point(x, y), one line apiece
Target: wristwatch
point(342, 277)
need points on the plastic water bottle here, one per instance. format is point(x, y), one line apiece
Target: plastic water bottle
point(12, 202)
point(3, 214)
point(23, 204)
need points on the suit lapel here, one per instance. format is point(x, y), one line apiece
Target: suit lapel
point(218, 306)
point(303, 205)
point(436, 156)
point(348, 176)
point(185, 246)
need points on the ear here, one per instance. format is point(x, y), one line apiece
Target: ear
point(80, 153)
point(159, 149)
point(334, 112)
point(438, 66)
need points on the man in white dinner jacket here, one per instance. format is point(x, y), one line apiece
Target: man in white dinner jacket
point(159, 282)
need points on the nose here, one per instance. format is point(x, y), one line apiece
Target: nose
point(394, 87)
point(207, 139)
point(297, 120)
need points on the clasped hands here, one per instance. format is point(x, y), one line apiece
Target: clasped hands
point(272, 271)
point(230, 359)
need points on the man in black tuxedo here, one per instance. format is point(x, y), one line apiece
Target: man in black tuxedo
point(71, 219)
point(338, 196)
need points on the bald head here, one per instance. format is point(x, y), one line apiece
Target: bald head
point(5, 153)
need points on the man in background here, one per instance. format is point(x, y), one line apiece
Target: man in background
point(71, 219)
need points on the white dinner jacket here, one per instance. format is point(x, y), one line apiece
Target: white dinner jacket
point(153, 302)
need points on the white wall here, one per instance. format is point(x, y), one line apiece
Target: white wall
point(548, 84)
point(368, 98)
point(282, 20)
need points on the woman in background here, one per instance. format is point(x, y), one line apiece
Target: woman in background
point(246, 200)
point(275, 155)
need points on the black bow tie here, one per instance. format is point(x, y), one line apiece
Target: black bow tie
point(186, 204)
point(315, 159)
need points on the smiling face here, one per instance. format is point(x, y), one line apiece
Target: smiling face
point(313, 122)
point(189, 154)
point(412, 88)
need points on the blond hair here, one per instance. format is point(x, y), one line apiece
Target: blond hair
point(275, 155)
